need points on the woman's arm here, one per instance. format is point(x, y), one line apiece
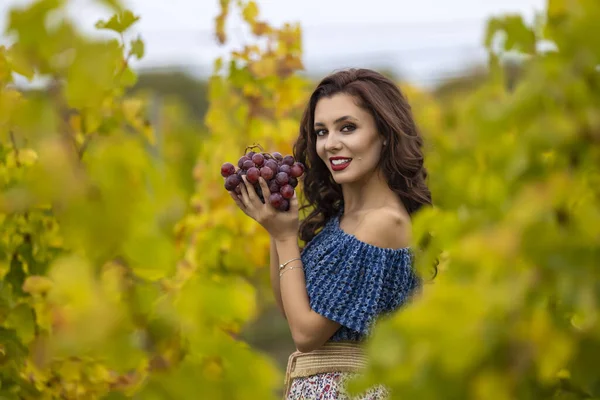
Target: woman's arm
point(310, 330)
point(274, 272)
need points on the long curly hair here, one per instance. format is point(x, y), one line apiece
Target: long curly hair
point(401, 160)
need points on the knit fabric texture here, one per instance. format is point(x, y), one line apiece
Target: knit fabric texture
point(352, 282)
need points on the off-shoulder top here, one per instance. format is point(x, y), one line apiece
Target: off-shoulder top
point(352, 282)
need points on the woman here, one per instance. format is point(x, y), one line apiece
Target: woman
point(364, 178)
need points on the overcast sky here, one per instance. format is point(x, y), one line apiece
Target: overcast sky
point(424, 40)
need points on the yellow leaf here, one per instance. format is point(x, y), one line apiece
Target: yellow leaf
point(557, 8)
point(5, 70)
point(132, 108)
point(4, 268)
point(491, 385)
point(263, 68)
point(28, 156)
point(37, 284)
point(250, 12)
point(10, 100)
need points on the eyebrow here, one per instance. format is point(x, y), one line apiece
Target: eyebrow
point(340, 119)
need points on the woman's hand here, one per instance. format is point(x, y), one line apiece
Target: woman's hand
point(280, 225)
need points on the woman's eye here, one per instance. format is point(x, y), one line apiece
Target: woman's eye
point(320, 132)
point(348, 128)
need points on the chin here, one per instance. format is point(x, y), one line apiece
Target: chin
point(341, 178)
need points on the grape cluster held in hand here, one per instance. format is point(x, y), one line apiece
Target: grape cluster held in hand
point(281, 174)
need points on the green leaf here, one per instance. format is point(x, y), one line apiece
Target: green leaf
point(11, 348)
point(128, 77)
point(22, 320)
point(137, 48)
point(218, 65)
point(16, 275)
point(557, 8)
point(115, 396)
point(518, 36)
point(5, 67)
point(119, 22)
point(91, 75)
point(151, 253)
point(29, 23)
point(19, 63)
point(8, 395)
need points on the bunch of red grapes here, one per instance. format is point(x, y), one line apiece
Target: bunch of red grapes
point(281, 174)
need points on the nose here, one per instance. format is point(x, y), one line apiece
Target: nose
point(332, 142)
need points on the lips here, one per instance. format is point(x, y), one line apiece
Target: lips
point(339, 163)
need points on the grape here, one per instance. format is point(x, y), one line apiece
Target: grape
point(288, 160)
point(296, 170)
point(275, 199)
point(280, 173)
point(274, 187)
point(272, 164)
point(285, 205)
point(242, 160)
point(258, 159)
point(267, 173)
point(227, 169)
point(285, 168)
point(287, 191)
point(232, 181)
point(247, 165)
point(282, 178)
point(252, 175)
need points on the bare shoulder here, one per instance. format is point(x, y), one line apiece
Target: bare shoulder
point(386, 228)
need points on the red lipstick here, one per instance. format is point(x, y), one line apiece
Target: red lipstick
point(341, 163)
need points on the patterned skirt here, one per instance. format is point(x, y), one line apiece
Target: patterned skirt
point(331, 385)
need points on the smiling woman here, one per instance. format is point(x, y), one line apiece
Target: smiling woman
point(364, 179)
point(358, 122)
point(347, 138)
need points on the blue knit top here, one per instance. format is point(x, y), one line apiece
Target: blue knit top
point(352, 282)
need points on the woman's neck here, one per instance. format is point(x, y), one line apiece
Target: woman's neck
point(369, 194)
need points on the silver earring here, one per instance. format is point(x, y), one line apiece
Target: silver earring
point(384, 143)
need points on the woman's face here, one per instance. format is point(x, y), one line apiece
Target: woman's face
point(346, 138)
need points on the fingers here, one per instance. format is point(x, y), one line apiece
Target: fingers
point(266, 193)
point(250, 190)
point(245, 195)
point(264, 187)
point(294, 203)
point(238, 201)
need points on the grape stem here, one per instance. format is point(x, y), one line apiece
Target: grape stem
point(253, 146)
point(256, 145)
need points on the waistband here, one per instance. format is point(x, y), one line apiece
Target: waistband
point(343, 356)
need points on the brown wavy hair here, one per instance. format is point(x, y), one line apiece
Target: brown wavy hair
point(401, 159)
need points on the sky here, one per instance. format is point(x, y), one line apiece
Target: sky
point(424, 41)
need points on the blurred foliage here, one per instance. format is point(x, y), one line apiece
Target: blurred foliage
point(127, 272)
point(515, 175)
point(255, 97)
point(109, 286)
